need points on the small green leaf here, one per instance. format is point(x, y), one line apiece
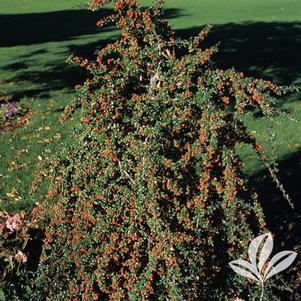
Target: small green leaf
point(2, 296)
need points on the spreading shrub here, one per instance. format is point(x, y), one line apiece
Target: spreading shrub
point(150, 203)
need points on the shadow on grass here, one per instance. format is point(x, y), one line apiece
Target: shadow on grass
point(37, 28)
point(42, 84)
point(54, 75)
point(60, 26)
point(268, 50)
point(282, 220)
point(262, 49)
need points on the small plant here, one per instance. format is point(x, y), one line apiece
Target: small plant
point(10, 111)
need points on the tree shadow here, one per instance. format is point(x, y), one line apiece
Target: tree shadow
point(55, 75)
point(42, 84)
point(38, 28)
point(261, 49)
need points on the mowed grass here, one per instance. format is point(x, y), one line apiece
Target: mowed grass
point(262, 38)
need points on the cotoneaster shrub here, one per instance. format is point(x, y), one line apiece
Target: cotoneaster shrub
point(150, 202)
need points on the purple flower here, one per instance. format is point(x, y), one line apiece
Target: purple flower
point(11, 109)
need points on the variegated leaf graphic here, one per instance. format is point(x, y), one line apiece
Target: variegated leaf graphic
point(265, 252)
point(261, 248)
point(286, 257)
point(245, 269)
point(254, 248)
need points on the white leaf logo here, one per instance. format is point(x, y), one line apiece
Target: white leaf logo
point(259, 269)
point(249, 271)
point(273, 269)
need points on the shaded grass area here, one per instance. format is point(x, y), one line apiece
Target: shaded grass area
point(271, 50)
point(56, 26)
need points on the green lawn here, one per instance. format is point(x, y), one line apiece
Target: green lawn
point(259, 37)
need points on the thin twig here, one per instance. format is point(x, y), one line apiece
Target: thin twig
point(279, 185)
point(124, 172)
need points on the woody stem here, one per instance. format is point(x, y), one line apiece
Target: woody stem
point(262, 291)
